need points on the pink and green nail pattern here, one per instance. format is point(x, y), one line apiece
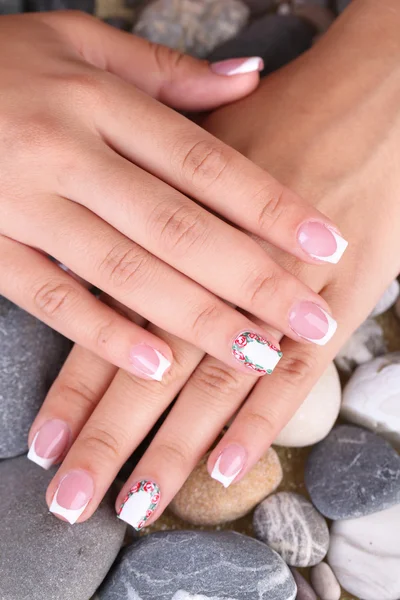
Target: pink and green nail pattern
point(140, 503)
point(255, 352)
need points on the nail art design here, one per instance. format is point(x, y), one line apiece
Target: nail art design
point(229, 464)
point(139, 504)
point(49, 443)
point(148, 361)
point(72, 496)
point(256, 353)
point(312, 323)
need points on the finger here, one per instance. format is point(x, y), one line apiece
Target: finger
point(126, 413)
point(175, 79)
point(37, 285)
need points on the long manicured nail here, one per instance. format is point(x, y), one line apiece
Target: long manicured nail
point(312, 323)
point(72, 495)
point(49, 443)
point(255, 352)
point(321, 242)
point(229, 464)
point(237, 66)
point(149, 362)
point(140, 503)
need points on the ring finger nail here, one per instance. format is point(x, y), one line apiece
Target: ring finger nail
point(229, 464)
point(49, 443)
point(322, 242)
point(140, 503)
point(72, 495)
point(147, 361)
point(255, 352)
point(313, 323)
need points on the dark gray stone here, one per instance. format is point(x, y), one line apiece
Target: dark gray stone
point(45, 5)
point(341, 5)
point(352, 473)
point(277, 39)
point(11, 7)
point(43, 558)
point(187, 565)
point(31, 355)
point(119, 23)
point(304, 590)
point(260, 7)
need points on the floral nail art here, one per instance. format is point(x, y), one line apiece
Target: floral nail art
point(256, 353)
point(140, 503)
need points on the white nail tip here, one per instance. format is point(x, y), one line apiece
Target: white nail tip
point(45, 463)
point(69, 514)
point(248, 66)
point(164, 364)
point(218, 476)
point(332, 326)
point(341, 246)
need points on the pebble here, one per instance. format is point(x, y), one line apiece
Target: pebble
point(192, 26)
point(198, 565)
point(325, 583)
point(31, 356)
point(119, 23)
point(291, 526)
point(352, 473)
point(315, 418)
point(366, 343)
point(43, 558)
point(204, 501)
point(341, 5)
point(365, 555)
point(387, 299)
point(260, 7)
point(304, 590)
point(372, 397)
point(45, 5)
point(11, 7)
point(277, 39)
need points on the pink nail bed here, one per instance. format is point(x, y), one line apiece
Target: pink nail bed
point(148, 362)
point(321, 242)
point(311, 322)
point(72, 495)
point(238, 66)
point(49, 443)
point(229, 464)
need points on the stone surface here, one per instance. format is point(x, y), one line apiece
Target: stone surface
point(45, 5)
point(366, 343)
point(387, 299)
point(325, 583)
point(277, 39)
point(260, 7)
point(319, 16)
point(192, 26)
point(11, 7)
point(317, 415)
point(304, 590)
point(204, 501)
point(372, 397)
point(30, 357)
point(365, 555)
point(198, 565)
point(352, 473)
point(119, 23)
point(341, 5)
point(43, 558)
point(291, 526)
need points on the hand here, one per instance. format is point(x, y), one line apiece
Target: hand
point(91, 166)
point(305, 143)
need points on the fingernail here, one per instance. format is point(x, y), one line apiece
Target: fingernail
point(139, 504)
point(49, 443)
point(256, 353)
point(322, 242)
point(237, 66)
point(72, 495)
point(149, 362)
point(229, 464)
point(312, 323)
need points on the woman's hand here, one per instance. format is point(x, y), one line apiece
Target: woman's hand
point(91, 166)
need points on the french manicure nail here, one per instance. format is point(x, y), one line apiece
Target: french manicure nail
point(238, 66)
point(72, 495)
point(321, 242)
point(255, 352)
point(49, 443)
point(140, 503)
point(229, 464)
point(312, 323)
point(149, 362)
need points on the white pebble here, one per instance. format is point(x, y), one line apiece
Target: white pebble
point(324, 582)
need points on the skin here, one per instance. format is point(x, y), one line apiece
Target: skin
point(114, 202)
point(341, 150)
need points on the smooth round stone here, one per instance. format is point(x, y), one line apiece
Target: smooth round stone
point(204, 501)
point(341, 5)
point(366, 343)
point(291, 526)
point(30, 358)
point(198, 565)
point(372, 397)
point(317, 415)
point(352, 473)
point(387, 299)
point(325, 583)
point(43, 558)
point(365, 555)
point(304, 590)
point(192, 26)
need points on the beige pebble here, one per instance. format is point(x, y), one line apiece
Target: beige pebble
point(324, 582)
point(204, 501)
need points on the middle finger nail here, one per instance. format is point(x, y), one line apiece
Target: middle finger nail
point(312, 323)
point(72, 496)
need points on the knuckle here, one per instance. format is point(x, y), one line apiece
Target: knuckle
point(76, 395)
point(262, 287)
point(83, 86)
point(296, 369)
point(174, 452)
point(204, 163)
point(216, 379)
point(53, 298)
point(167, 59)
point(259, 424)
point(98, 441)
point(126, 266)
point(204, 320)
point(271, 207)
point(182, 229)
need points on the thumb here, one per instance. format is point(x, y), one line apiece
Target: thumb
point(176, 79)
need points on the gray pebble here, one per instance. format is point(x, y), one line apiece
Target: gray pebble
point(45, 5)
point(324, 582)
point(341, 5)
point(291, 526)
point(43, 558)
point(260, 7)
point(366, 343)
point(352, 473)
point(304, 590)
point(11, 7)
point(30, 357)
point(196, 565)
